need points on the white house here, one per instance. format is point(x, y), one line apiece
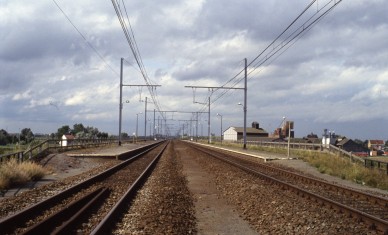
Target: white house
point(236, 133)
point(66, 140)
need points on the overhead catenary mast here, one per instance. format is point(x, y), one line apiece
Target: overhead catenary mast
point(229, 88)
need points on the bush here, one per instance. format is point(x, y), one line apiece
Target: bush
point(32, 170)
point(14, 173)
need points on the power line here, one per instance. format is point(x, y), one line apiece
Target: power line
point(87, 42)
point(286, 43)
point(295, 35)
point(129, 34)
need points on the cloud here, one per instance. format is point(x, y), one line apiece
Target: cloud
point(335, 75)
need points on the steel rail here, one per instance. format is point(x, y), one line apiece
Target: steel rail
point(9, 223)
point(69, 214)
point(373, 221)
point(105, 226)
point(381, 201)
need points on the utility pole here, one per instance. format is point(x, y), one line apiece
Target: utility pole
point(196, 128)
point(154, 126)
point(245, 104)
point(172, 111)
point(222, 87)
point(208, 125)
point(121, 96)
point(145, 119)
point(221, 127)
point(145, 113)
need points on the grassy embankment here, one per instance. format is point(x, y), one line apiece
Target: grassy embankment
point(330, 164)
point(14, 173)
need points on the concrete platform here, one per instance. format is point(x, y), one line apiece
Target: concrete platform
point(113, 151)
point(72, 163)
point(262, 155)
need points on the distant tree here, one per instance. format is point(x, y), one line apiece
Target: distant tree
point(26, 135)
point(124, 135)
point(4, 137)
point(92, 131)
point(102, 135)
point(386, 143)
point(81, 132)
point(82, 135)
point(78, 128)
point(63, 130)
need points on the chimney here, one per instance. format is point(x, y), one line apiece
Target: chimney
point(255, 125)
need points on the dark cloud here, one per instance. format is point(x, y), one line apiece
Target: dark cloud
point(333, 70)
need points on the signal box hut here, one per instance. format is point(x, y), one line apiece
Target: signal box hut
point(254, 133)
point(66, 140)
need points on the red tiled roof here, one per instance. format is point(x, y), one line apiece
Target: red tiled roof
point(69, 137)
point(377, 142)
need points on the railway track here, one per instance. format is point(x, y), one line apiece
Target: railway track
point(365, 207)
point(90, 206)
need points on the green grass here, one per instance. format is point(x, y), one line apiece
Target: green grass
point(345, 169)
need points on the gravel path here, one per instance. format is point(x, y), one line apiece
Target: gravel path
point(269, 209)
point(213, 213)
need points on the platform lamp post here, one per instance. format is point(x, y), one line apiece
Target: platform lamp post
point(149, 120)
point(245, 126)
point(137, 122)
point(221, 126)
point(290, 126)
point(289, 137)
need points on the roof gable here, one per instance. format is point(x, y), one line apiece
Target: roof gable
point(68, 137)
point(250, 130)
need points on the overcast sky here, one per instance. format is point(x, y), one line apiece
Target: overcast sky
point(334, 76)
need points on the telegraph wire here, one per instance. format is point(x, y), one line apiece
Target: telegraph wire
point(87, 42)
point(284, 31)
point(129, 34)
point(286, 43)
point(278, 49)
point(294, 36)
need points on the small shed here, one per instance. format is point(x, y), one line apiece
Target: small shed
point(67, 139)
point(236, 133)
point(351, 146)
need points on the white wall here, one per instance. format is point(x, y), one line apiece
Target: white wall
point(230, 134)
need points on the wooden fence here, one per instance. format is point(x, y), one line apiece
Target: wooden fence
point(57, 145)
point(343, 153)
point(367, 162)
point(380, 165)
